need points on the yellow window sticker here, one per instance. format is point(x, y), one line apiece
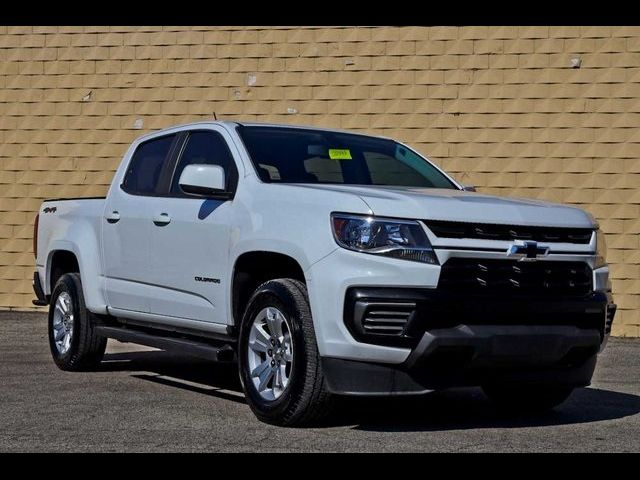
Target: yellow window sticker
point(339, 154)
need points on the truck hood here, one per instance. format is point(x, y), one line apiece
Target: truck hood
point(462, 206)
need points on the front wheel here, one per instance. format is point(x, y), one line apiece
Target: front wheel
point(527, 398)
point(73, 341)
point(278, 356)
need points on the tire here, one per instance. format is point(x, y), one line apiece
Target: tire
point(527, 398)
point(304, 400)
point(84, 349)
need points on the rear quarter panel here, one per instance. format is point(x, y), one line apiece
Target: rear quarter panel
point(74, 226)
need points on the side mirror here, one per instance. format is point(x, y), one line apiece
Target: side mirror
point(203, 180)
point(468, 188)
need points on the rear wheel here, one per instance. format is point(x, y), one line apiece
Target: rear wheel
point(73, 341)
point(278, 356)
point(527, 398)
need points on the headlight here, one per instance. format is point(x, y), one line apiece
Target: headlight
point(601, 249)
point(402, 239)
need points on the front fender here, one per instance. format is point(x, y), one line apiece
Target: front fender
point(282, 247)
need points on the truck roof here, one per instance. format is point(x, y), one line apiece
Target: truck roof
point(232, 123)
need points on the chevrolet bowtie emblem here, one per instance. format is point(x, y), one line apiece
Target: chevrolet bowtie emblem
point(527, 250)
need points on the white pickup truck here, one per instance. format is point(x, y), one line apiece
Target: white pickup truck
point(325, 263)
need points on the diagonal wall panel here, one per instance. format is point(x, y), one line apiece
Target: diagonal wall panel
point(500, 107)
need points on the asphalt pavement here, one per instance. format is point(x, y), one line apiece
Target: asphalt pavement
point(144, 400)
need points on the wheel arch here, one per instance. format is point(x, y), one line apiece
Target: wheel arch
point(254, 267)
point(65, 257)
point(59, 263)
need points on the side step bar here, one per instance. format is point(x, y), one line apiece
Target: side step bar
point(221, 353)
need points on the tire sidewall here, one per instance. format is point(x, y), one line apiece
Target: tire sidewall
point(67, 284)
point(273, 294)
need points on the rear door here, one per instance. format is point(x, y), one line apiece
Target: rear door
point(189, 246)
point(127, 223)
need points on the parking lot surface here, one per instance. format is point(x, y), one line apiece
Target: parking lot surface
point(147, 400)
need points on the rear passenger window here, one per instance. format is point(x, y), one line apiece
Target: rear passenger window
point(144, 170)
point(208, 148)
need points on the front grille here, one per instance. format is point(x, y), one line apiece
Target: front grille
point(488, 231)
point(387, 318)
point(465, 275)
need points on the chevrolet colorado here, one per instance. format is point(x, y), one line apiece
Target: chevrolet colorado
point(324, 263)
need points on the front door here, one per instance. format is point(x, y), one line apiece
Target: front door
point(190, 236)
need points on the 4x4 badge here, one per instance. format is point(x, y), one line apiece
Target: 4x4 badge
point(527, 250)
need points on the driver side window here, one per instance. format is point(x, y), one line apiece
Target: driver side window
point(205, 148)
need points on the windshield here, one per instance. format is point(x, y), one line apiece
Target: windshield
point(297, 155)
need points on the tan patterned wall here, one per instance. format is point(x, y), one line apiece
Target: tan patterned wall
point(502, 108)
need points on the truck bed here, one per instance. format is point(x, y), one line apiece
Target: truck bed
point(68, 219)
point(72, 198)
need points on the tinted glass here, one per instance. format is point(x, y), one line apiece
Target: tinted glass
point(295, 155)
point(146, 165)
point(203, 148)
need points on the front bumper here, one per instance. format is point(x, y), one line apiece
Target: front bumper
point(371, 313)
point(330, 280)
point(462, 340)
point(469, 355)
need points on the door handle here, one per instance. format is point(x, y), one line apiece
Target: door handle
point(161, 219)
point(113, 217)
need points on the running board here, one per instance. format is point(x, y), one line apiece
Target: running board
point(221, 353)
